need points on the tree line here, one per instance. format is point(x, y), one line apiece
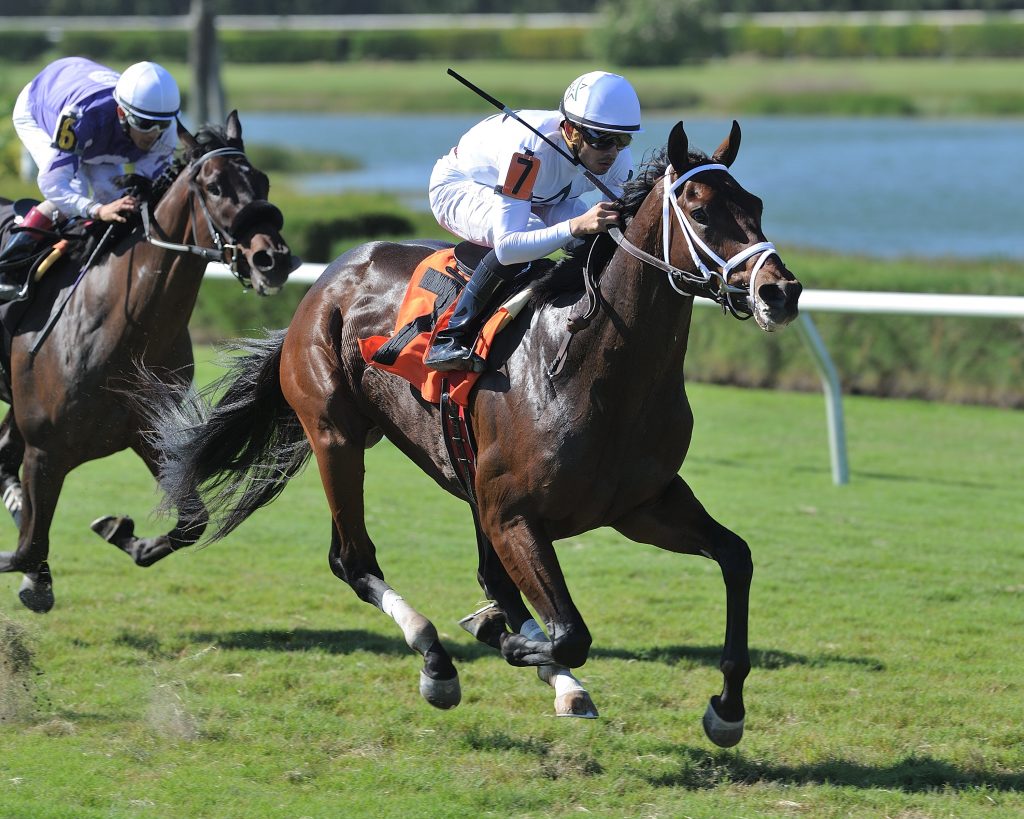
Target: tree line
point(129, 8)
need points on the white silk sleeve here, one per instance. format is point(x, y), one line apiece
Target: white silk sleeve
point(66, 190)
point(520, 236)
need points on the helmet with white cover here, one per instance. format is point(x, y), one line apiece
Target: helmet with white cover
point(602, 102)
point(147, 92)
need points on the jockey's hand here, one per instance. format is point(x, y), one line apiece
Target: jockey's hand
point(118, 210)
point(596, 220)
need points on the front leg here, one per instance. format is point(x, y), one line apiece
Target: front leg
point(529, 559)
point(44, 477)
point(676, 521)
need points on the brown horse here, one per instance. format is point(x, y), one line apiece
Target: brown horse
point(65, 384)
point(596, 442)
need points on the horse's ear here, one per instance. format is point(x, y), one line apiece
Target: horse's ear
point(679, 148)
point(185, 137)
point(234, 129)
point(727, 151)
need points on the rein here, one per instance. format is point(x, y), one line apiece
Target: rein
point(226, 249)
point(722, 293)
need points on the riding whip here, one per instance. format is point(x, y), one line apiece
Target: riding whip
point(45, 332)
point(510, 113)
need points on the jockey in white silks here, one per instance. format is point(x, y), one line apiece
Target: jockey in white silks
point(505, 188)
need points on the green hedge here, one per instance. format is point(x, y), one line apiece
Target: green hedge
point(995, 39)
point(23, 46)
point(1003, 39)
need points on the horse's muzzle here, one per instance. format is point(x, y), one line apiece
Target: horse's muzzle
point(776, 303)
point(269, 263)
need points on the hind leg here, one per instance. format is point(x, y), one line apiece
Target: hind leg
point(488, 625)
point(679, 523)
point(12, 452)
point(353, 559)
point(145, 551)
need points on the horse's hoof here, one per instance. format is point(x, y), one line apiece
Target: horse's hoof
point(114, 530)
point(575, 704)
point(36, 593)
point(442, 694)
point(724, 734)
point(486, 624)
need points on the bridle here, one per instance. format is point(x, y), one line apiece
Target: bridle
point(226, 245)
point(713, 284)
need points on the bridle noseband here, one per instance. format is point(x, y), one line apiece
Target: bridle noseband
point(226, 249)
point(721, 292)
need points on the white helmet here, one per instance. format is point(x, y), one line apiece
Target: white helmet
point(603, 102)
point(147, 91)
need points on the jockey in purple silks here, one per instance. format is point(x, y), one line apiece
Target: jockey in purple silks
point(82, 122)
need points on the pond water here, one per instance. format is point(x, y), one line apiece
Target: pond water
point(879, 187)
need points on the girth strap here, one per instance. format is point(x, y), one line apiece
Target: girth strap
point(458, 440)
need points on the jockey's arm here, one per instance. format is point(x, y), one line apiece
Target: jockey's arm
point(522, 236)
point(67, 191)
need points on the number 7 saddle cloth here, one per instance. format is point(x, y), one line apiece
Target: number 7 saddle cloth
point(428, 305)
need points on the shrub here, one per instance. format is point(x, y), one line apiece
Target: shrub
point(656, 32)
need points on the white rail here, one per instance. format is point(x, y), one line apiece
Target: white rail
point(823, 301)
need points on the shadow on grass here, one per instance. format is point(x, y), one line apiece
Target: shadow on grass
point(341, 641)
point(699, 770)
point(347, 641)
point(764, 659)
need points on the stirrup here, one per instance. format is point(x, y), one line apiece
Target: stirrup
point(462, 359)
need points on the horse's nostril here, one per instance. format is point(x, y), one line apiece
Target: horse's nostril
point(263, 261)
point(780, 294)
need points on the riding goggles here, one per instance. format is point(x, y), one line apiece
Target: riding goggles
point(144, 125)
point(603, 140)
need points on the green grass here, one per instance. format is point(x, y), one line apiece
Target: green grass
point(244, 680)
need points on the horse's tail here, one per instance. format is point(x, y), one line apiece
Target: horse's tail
point(236, 455)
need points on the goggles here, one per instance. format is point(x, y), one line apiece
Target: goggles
point(146, 126)
point(603, 140)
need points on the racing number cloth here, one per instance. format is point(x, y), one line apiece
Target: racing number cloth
point(428, 305)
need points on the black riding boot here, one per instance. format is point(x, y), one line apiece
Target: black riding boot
point(453, 346)
point(20, 246)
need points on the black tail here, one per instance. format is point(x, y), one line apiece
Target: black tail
point(237, 454)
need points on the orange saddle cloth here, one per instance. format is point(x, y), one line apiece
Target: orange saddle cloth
point(428, 305)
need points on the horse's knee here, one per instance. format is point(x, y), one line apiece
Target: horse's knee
point(733, 556)
point(572, 648)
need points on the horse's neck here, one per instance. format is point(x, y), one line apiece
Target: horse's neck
point(644, 317)
point(164, 283)
point(173, 214)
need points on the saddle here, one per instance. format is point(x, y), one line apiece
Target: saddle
point(426, 308)
point(47, 276)
point(74, 238)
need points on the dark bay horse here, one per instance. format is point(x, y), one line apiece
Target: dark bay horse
point(598, 443)
point(66, 391)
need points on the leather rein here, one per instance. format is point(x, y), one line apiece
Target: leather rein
point(712, 284)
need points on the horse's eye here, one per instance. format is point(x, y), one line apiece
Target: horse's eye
point(699, 215)
point(213, 189)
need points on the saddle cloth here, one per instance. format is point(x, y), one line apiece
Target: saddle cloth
point(428, 305)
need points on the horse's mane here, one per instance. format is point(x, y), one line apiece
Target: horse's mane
point(209, 137)
point(567, 273)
